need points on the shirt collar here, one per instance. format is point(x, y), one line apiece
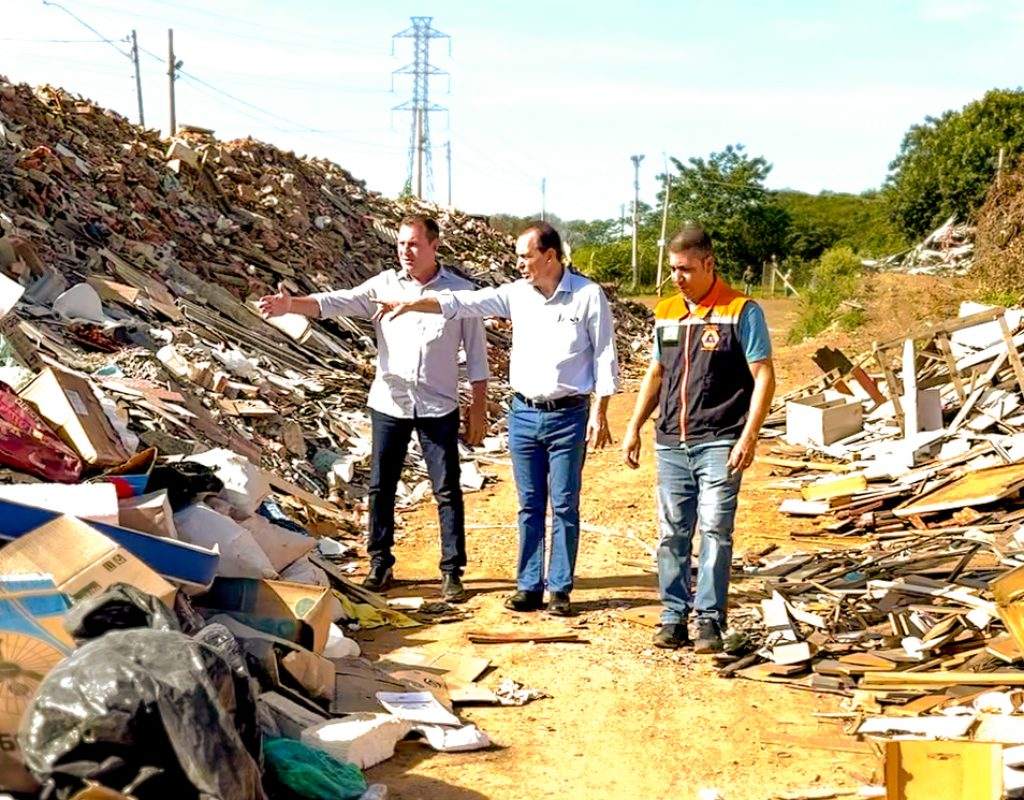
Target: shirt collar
point(403, 275)
point(703, 308)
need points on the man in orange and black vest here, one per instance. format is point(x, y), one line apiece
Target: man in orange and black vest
point(712, 379)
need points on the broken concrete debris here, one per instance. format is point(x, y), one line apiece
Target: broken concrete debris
point(191, 477)
point(908, 599)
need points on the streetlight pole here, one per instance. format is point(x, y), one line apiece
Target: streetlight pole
point(636, 214)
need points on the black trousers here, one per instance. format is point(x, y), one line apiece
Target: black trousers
point(439, 440)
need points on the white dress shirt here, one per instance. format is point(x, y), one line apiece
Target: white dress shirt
point(417, 354)
point(561, 345)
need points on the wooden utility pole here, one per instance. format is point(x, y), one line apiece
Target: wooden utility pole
point(419, 153)
point(664, 227)
point(172, 68)
point(636, 216)
point(448, 151)
point(138, 78)
point(543, 199)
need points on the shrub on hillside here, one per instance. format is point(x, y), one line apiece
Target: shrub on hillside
point(999, 240)
point(834, 280)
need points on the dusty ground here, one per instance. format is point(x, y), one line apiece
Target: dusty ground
point(625, 720)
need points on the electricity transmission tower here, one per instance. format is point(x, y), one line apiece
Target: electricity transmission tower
point(421, 69)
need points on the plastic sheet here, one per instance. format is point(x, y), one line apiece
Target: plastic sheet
point(135, 701)
point(27, 442)
point(298, 772)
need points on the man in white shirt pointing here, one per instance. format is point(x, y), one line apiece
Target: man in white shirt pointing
point(415, 388)
point(563, 351)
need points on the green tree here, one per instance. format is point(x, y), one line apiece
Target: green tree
point(821, 221)
point(946, 164)
point(726, 194)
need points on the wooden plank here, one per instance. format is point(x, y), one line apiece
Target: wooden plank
point(942, 678)
point(1018, 368)
point(834, 487)
point(520, 637)
point(796, 463)
point(818, 743)
point(926, 770)
point(975, 488)
point(942, 340)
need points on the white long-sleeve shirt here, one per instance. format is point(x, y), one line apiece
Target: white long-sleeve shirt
point(417, 354)
point(561, 345)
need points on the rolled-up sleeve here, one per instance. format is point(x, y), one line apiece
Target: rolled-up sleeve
point(474, 341)
point(356, 302)
point(470, 303)
point(602, 337)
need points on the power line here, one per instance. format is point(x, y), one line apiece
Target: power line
point(304, 45)
point(90, 27)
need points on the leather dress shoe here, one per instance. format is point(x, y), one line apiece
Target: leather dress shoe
point(452, 590)
point(379, 578)
point(525, 601)
point(558, 604)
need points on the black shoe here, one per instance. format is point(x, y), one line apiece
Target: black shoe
point(709, 637)
point(379, 579)
point(558, 604)
point(452, 590)
point(525, 601)
point(672, 636)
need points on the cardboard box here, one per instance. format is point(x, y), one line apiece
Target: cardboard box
point(131, 478)
point(178, 561)
point(68, 403)
point(291, 611)
point(82, 561)
point(821, 419)
point(32, 642)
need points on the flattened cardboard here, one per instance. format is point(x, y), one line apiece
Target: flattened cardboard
point(82, 561)
point(32, 642)
point(291, 611)
point(68, 403)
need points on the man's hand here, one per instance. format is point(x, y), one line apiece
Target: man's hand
point(476, 423)
point(742, 454)
point(275, 305)
point(631, 448)
point(389, 309)
point(598, 434)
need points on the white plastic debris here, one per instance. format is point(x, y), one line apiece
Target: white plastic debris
point(339, 645)
point(240, 556)
point(361, 739)
point(245, 487)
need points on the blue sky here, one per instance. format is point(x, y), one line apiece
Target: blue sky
point(560, 90)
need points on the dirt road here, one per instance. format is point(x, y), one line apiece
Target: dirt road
point(624, 720)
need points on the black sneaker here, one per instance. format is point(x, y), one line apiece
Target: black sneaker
point(525, 601)
point(558, 604)
point(709, 637)
point(452, 590)
point(379, 578)
point(672, 636)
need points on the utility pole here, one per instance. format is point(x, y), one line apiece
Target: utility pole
point(636, 214)
point(543, 199)
point(622, 219)
point(172, 75)
point(138, 78)
point(448, 150)
point(421, 69)
point(664, 226)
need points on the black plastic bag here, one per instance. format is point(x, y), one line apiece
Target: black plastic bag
point(135, 701)
point(120, 607)
point(185, 482)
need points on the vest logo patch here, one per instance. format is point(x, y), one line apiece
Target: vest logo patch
point(710, 338)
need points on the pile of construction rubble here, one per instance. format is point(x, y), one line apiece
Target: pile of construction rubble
point(908, 597)
point(948, 250)
point(184, 481)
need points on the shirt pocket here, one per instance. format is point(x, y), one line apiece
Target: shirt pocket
point(431, 327)
point(570, 335)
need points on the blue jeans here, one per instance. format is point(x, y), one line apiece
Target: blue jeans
point(695, 487)
point(439, 440)
point(548, 449)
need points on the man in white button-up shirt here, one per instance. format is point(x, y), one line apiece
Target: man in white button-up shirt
point(563, 350)
point(415, 388)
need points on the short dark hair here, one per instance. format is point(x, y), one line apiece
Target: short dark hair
point(547, 237)
point(429, 225)
point(691, 238)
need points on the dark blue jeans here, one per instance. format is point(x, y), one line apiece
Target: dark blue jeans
point(548, 449)
point(439, 439)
